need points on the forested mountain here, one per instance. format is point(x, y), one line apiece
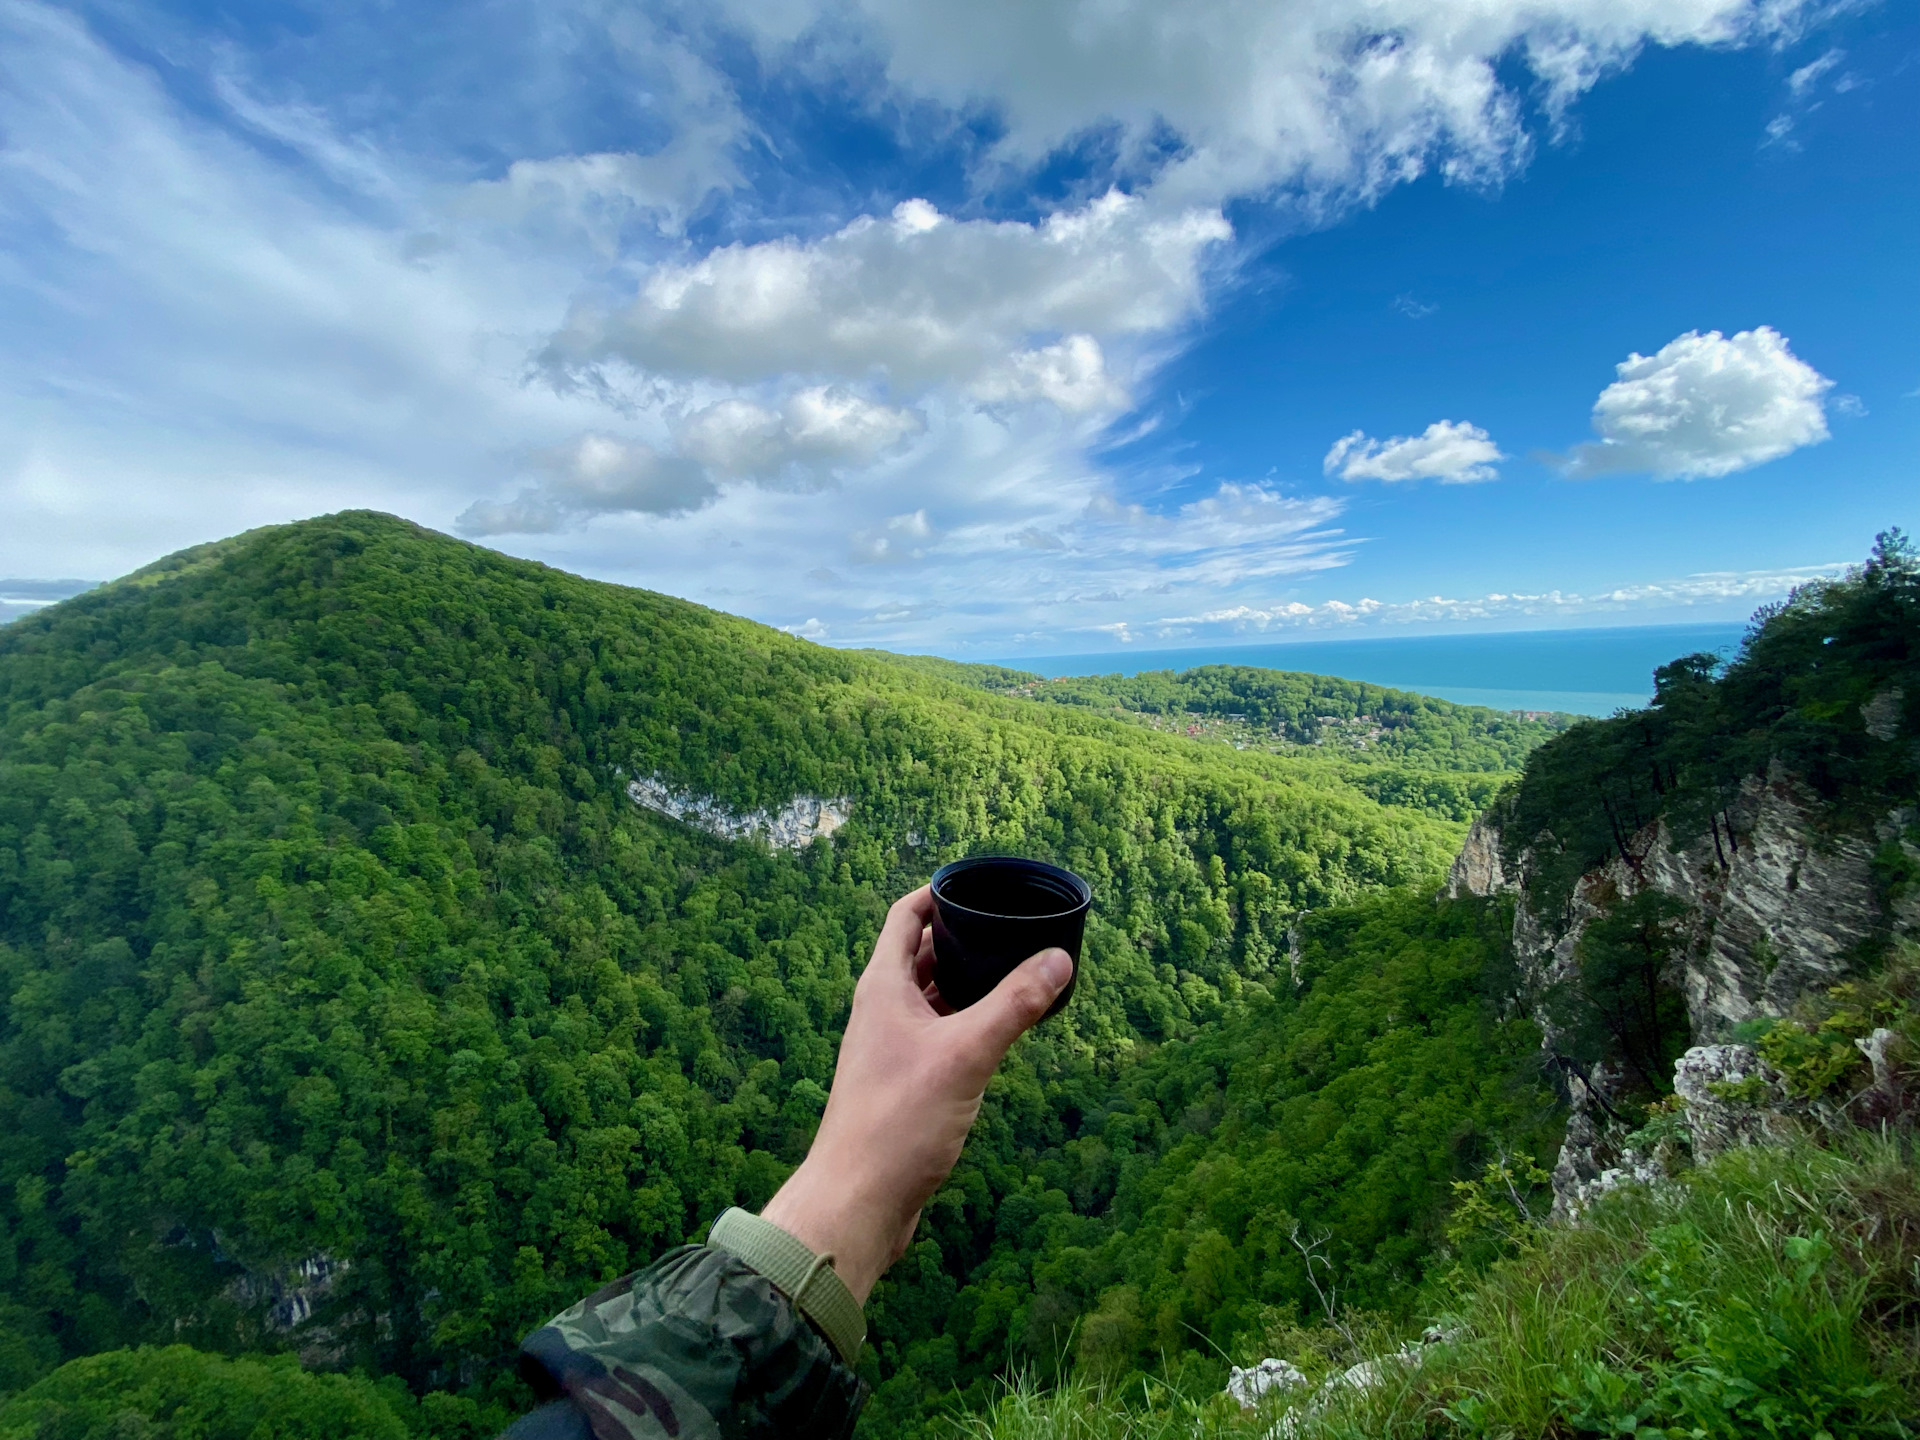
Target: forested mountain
point(1709, 911)
point(353, 1005)
point(1398, 747)
point(398, 940)
point(1350, 718)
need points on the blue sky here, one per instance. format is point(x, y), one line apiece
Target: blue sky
point(1024, 327)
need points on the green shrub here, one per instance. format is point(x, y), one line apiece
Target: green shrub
point(177, 1393)
point(1769, 1294)
point(1816, 1050)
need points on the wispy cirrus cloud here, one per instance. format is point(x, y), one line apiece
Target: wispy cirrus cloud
point(549, 274)
point(1716, 588)
point(1803, 97)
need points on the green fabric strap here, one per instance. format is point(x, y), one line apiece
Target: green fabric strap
point(803, 1277)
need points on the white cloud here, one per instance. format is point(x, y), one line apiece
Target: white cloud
point(818, 427)
point(902, 538)
point(223, 317)
point(203, 335)
point(1328, 98)
point(605, 195)
point(593, 474)
point(1705, 405)
point(920, 299)
point(1719, 589)
point(1454, 454)
point(1803, 80)
point(1071, 375)
point(601, 195)
point(1803, 88)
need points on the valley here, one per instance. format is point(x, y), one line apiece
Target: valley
point(400, 940)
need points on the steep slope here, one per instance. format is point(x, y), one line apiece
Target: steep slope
point(1691, 876)
point(363, 996)
point(1396, 746)
point(1332, 1117)
point(353, 1002)
point(1711, 911)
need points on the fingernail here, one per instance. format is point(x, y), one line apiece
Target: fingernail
point(1057, 968)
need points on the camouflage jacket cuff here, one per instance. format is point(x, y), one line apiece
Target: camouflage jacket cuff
point(807, 1279)
point(700, 1346)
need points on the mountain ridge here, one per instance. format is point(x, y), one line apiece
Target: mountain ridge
point(355, 1004)
point(329, 933)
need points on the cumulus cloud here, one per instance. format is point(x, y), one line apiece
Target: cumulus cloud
point(817, 428)
point(1071, 375)
point(593, 474)
point(804, 442)
point(1452, 454)
point(604, 195)
point(601, 195)
point(1327, 97)
point(308, 290)
point(919, 298)
point(1705, 405)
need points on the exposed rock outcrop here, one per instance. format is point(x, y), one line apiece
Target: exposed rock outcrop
point(795, 826)
point(285, 1301)
point(1249, 1384)
point(1887, 1051)
point(1282, 1376)
point(1731, 1097)
point(1776, 906)
point(1479, 868)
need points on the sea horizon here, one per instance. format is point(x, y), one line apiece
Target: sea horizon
point(1585, 671)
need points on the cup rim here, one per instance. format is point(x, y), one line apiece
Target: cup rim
point(1020, 862)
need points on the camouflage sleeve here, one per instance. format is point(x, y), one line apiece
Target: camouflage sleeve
point(700, 1346)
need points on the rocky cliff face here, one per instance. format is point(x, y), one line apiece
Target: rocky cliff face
point(1776, 905)
point(795, 826)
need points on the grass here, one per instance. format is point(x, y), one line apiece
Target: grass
point(1775, 1292)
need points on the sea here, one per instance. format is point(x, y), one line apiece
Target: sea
point(1580, 672)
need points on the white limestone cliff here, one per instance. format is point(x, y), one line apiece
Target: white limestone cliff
point(794, 826)
point(1777, 903)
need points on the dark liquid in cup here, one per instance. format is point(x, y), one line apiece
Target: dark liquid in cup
point(992, 912)
point(1016, 895)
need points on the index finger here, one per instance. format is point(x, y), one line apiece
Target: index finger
point(900, 937)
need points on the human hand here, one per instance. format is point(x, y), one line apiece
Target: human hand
point(906, 1089)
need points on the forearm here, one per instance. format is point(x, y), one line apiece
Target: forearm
point(833, 1214)
point(704, 1344)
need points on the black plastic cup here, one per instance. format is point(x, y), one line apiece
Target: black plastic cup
point(992, 912)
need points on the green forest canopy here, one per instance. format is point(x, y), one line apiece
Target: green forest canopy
point(328, 932)
point(1365, 722)
point(1826, 685)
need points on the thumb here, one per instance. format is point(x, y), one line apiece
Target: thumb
point(1007, 1013)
